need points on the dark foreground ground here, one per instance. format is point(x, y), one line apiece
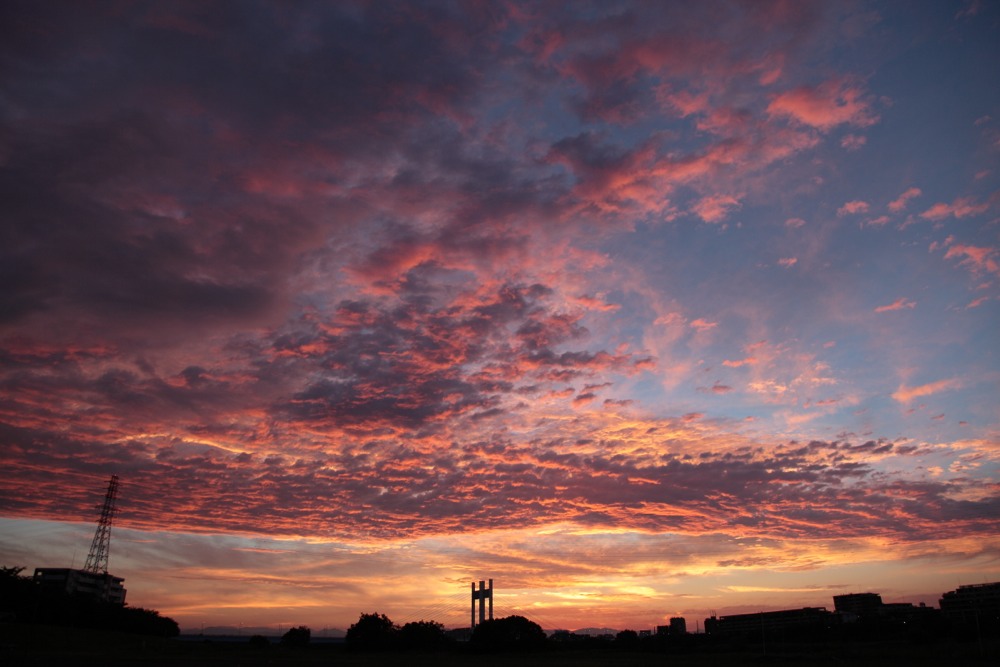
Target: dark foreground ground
point(30, 645)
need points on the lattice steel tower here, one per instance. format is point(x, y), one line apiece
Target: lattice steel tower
point(97, 560)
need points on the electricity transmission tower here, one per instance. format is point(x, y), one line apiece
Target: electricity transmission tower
point(97, 560)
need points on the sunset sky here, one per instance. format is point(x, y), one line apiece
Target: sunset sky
point(640, 309)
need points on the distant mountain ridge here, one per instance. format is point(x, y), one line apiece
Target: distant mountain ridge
point(248, 631)
point(595, 632)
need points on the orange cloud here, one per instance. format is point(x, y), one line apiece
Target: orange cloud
point(788, 262)
point(906, 394)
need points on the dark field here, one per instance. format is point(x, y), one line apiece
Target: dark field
point(40, 645)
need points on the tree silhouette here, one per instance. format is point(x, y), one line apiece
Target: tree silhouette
point(296, 637)
point(25, 602)
point(627, 638)
point(16, 593)
point(507, 633)
point(372, 631)
point(422, 634)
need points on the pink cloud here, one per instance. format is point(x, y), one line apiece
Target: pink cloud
point(902, 200)
point(688, 103)
point(715, 208)
point(404, 295)
point(972, 8)
point(879, 221)
point(596, 303)
point(898, 304)
point(825, 106)
point(853, 142)
point(943, 244)
point(726, 121)
point(978, 302)
point(962, 207)
point(822, 403)
point(906, 394)
point(977, 258)
point(852, 208)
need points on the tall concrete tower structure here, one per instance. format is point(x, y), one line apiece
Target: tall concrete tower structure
point(482, 595)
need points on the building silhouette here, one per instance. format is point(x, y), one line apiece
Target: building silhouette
point(859, 605)
point(975, 605)
point(99, 585)
point(807, 618)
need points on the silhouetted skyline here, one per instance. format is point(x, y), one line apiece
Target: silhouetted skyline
point(643, 310)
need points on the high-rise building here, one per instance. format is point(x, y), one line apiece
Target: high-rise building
point(861, 605)
point(807, 618)
point(975, 604)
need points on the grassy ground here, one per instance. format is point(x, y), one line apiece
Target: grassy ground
point(26, 646)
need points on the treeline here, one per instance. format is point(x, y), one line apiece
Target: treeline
point(376, 632)
point(23, 601)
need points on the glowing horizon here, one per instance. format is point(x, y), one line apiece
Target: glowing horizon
point(641, 310)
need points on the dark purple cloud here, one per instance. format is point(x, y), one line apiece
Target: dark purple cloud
point(411, 269)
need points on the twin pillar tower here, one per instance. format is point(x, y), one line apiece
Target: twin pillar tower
point(483, 594)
